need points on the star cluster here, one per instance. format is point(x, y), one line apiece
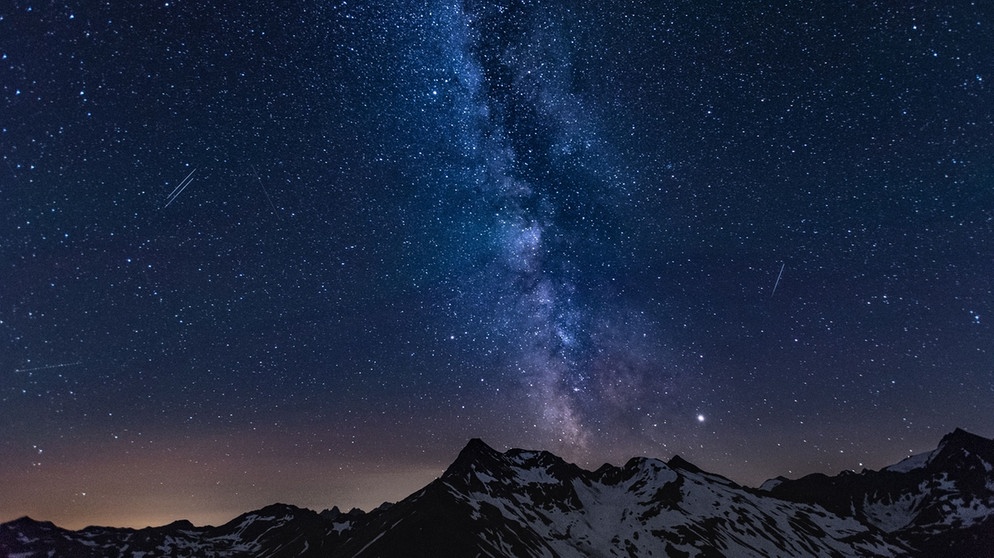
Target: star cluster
point(259, 253)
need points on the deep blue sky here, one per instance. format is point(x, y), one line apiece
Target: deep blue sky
point(549, 225)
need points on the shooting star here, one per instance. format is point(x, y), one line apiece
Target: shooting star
point(179, 188)
point(49, 366)
point(777, 283)
point(266, 192)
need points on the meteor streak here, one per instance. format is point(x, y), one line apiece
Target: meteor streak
point(266, 192)
point(779, 275)
point(179, 188)
point(49, 366)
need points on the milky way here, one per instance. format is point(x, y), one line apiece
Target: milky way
point(259, 253)
point(541, 192)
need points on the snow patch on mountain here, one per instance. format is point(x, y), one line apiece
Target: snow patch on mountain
point(893, 515)
point(770, 484)
point(647, 508)
point(917, 461)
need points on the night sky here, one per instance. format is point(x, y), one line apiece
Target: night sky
point(255, 253)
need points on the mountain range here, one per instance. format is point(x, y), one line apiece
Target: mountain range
point(525, 503)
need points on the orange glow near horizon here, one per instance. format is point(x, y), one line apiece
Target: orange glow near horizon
point(157, 488)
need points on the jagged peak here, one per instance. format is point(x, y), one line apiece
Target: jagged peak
point(27, 520)
point(962, 438)
point(677, 462)
point(180, 524)
point(474, 455)
point(960, 448)
point(280, 507)
point(276, 511)
point(478, 462)
point(335, 513)
point(534, 458)
point(645, 463)
point(959, 442)
point(476, 445)
point(477, 450)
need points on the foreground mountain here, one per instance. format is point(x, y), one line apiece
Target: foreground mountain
point(530, 503)
point(525, 503)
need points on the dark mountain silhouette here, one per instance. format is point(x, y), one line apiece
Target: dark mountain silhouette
point(532, 503)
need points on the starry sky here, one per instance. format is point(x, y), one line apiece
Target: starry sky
point(256, 253)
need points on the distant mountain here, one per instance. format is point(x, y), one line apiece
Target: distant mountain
point(940, 502)
point(532, 503)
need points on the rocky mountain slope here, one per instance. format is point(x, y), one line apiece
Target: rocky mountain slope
point(531, 503)
point(940, 502)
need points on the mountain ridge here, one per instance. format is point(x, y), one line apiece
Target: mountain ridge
point(534, 503)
